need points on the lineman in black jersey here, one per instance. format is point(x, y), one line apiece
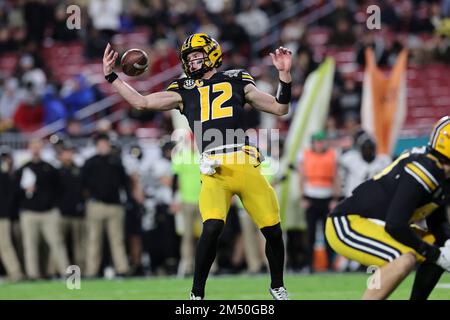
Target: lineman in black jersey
point(377, 224)
point(213, 103)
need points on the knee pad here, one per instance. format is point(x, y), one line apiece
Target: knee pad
point(212, 228)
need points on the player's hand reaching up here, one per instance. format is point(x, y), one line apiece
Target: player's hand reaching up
point(282, 59)
point(109, 59)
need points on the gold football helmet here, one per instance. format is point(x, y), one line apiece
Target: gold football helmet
point(440, 137)
point(203, 43)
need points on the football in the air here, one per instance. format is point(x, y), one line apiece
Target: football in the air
point(134, 62)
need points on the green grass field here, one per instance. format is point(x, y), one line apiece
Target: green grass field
point(300, 287)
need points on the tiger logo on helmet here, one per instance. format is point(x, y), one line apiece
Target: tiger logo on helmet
point(440, 138)
point(203, 43)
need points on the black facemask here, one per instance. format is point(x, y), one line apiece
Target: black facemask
point(198, 74)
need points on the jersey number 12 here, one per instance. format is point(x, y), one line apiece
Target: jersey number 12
point(215, 109)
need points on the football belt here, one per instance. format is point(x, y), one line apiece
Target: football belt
point(208, 165)
point(248, 149)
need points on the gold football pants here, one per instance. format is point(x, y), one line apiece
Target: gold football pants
point(239, 174)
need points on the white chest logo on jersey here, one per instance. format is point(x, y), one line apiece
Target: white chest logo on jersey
point(189, 84)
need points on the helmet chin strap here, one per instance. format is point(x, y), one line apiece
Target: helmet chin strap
point(198, 74)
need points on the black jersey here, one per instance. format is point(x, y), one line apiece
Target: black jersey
point(408, 190)
point(214, 107)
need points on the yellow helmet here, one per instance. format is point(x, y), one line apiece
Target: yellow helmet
point(440, 137)
point(204, 43)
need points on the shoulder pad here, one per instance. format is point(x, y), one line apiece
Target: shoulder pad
point(424, 172)
point(239, 74)
point(173, 86)
point(246, 77)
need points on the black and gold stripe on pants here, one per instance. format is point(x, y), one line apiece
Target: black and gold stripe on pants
point(364, 240)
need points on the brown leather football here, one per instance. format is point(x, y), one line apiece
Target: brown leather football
point(134, 62)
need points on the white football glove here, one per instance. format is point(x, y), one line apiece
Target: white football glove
point(444, 259)
point(208, 166)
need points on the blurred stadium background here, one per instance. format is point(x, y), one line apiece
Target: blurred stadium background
point(52, 89)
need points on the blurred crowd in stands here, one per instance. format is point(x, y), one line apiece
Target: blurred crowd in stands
point(34, 94)
point(147, 202)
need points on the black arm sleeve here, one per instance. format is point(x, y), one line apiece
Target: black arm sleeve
point(439, 225)
point(406, 199)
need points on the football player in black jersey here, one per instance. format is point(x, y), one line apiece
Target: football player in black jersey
point(213, 102)
point(382, 223)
